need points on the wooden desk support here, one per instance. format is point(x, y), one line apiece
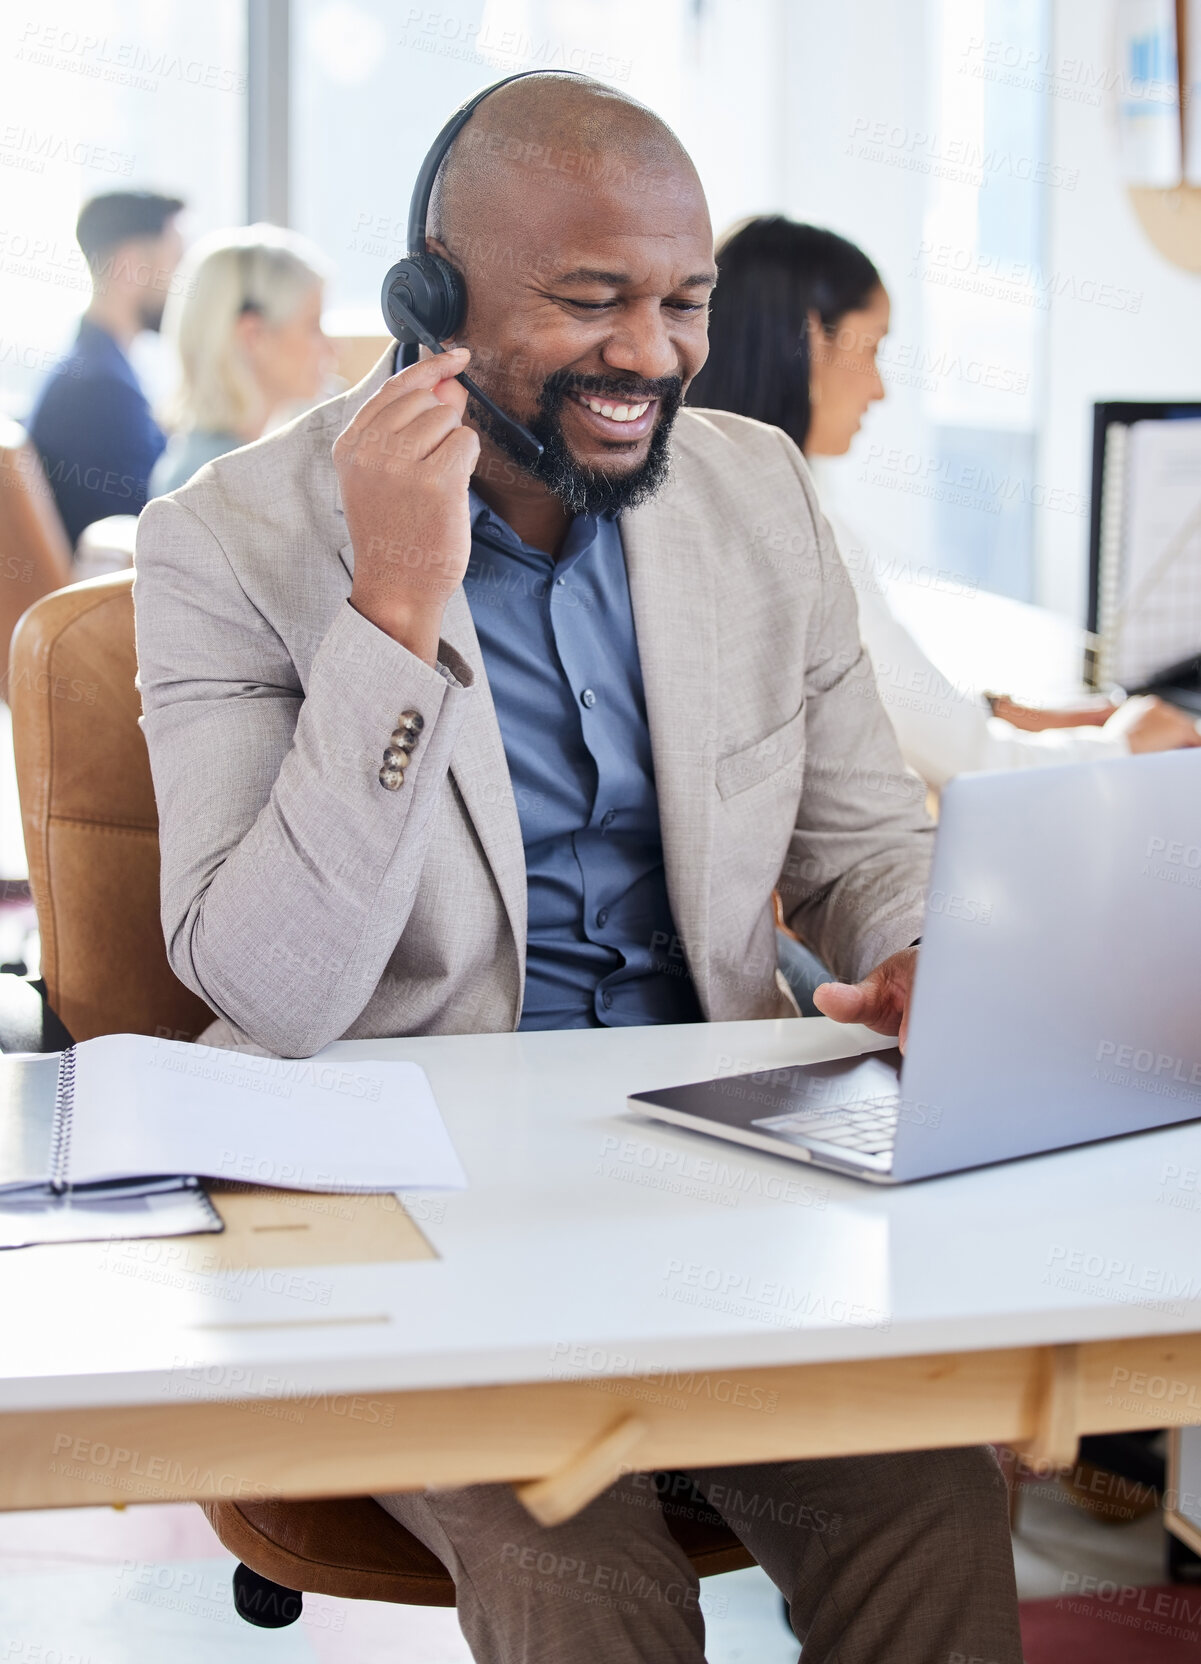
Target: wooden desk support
point(1057, 1410)
point(345, 1445)
point(559, 1495)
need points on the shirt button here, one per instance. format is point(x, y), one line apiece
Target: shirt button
point(609, 816)
point(588, 698)
point(602, 915)
point(606, 999)
point(560, 580)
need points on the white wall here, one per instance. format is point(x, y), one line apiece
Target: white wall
point(798, 77)
point(830, 69)
point(771, 112)
point(774, 99)
point(1126, 324)
point(727, 107)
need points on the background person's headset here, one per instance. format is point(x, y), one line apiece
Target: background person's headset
point(423, 297)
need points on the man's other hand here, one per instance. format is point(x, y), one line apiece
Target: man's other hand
point(880, 1002)
point(404, 465)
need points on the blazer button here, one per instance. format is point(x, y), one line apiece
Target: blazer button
point(403, 740)
point(411, 721)
point(395, 758)
point(391, 779)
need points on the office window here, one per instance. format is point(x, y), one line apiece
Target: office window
point(372, 83)
point(984, 287)
point(103, 95)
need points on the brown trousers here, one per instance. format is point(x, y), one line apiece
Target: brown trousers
point(898, 1559)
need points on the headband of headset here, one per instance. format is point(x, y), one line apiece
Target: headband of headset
point(423, 187)
point(423, 295)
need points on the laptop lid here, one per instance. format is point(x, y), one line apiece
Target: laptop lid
point(1058, 994)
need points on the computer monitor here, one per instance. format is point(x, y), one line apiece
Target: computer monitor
point(1144, 588)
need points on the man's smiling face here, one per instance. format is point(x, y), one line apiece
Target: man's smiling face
point(588, 273)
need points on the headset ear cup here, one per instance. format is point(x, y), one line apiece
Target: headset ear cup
point(430, 288)
point(453, 295)
point(405, 287)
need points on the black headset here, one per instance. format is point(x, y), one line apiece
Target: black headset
point(423, 297)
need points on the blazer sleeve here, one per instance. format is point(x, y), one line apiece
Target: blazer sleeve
point(853, 883)
point(288, 870)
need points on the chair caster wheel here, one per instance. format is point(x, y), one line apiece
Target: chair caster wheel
point(265, 1604)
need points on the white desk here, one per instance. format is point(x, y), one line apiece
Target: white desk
point(991, 643)
point(776, 1310)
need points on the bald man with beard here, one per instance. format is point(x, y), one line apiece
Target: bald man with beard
point(445, 743)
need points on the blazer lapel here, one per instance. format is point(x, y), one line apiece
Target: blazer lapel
point(671, 591)
point(481, 772)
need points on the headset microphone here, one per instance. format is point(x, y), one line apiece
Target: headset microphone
point(423, 296)
point(531, 448)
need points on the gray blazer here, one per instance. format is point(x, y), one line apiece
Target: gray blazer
point(304, 902)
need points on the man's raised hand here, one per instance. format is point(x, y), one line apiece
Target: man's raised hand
point(404, 464)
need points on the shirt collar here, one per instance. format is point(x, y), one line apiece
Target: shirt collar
point(582, 534)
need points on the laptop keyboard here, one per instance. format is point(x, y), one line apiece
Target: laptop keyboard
point(869, 1128)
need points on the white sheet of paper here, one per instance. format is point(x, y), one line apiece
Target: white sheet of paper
point(1160, 619)
point(158, 1106)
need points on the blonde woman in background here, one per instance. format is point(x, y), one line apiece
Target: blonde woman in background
point(246, 323)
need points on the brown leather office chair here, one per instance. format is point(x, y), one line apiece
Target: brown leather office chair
point(35, 553)
point(91, 833)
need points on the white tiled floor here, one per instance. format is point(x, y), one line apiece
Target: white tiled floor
point(97, 1587)
point(146, 1585)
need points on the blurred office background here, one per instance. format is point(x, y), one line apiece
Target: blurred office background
point(970, 146)
point(974, 148)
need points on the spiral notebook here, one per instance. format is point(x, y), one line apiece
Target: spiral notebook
point(147, 1117)
point(106, 1212)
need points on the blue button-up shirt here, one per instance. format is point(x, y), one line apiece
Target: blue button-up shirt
point(559, 647)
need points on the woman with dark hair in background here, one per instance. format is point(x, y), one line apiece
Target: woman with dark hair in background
point(797, 317)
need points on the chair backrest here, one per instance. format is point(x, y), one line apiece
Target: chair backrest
point(35, 552)
point(88, 811)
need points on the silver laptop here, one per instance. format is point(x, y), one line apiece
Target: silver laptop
point(1058, 991)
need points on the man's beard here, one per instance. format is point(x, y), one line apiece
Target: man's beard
point(584, 490)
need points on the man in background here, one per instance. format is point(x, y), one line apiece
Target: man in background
point(92, 424)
